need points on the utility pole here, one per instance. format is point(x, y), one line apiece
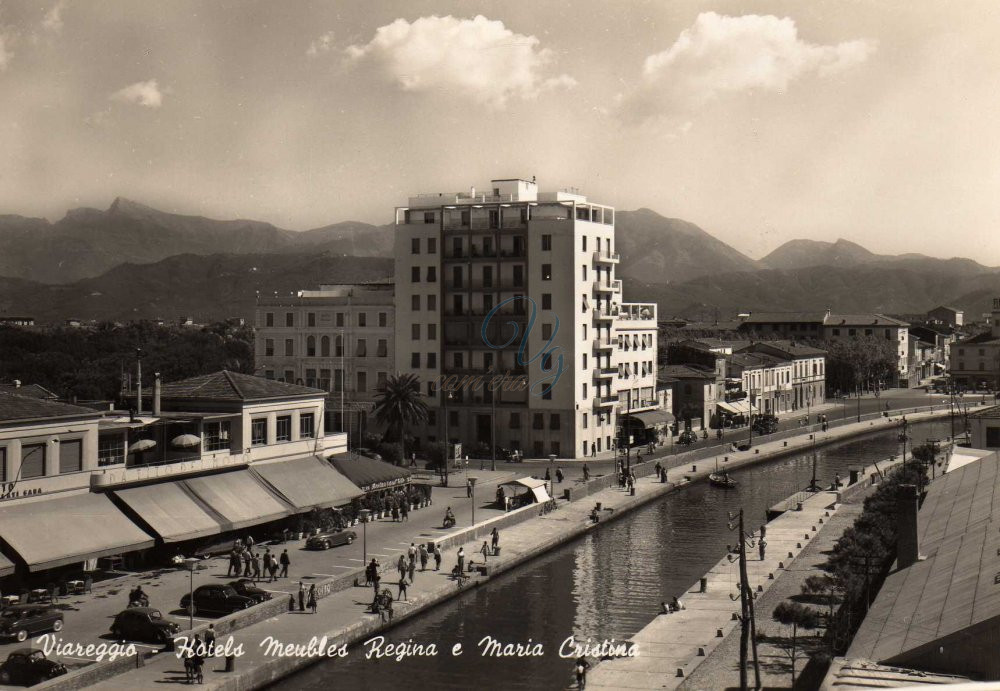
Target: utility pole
point(747, 623)
point(493, 431)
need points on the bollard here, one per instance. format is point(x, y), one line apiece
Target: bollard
point(756, 450)
point(770, 576)
point(784, 443)
point(694, 469)
point(735, 616)
point(798, 506)
point(790, 555)
point(821, 521)
point(807, 536)
point(680, 671)
point(725, 458)
point(701, 651)
point(140, 661)
point(798, 545)
point(632, 490)
point(718, 633)
point(781, 564)
point(814, 529)
point(231, 662)
point(760, 588)
point(704, 584)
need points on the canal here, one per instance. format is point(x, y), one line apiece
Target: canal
point(607, 584)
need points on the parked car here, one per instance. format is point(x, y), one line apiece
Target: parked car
point(765, 424)
point(687, 437)
point(246, 588)
point(216, 599)
point(27, 667)
point(331, 539)
point(21, 621)
point(143, 624)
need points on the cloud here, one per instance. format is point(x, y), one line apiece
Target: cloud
point(478, 58)
point(721, 55)
point(141, 93)
point(323, 44)
point(53, 21)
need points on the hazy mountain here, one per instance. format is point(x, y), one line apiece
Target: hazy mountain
point(669, 250)
point(88, 242)
point(799, 254)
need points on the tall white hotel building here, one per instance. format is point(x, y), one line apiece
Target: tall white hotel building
point(458, 255)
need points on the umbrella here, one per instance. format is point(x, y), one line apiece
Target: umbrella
point(141, 445)
point(184, 441)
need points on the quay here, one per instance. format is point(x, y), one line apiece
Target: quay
point(342, 616)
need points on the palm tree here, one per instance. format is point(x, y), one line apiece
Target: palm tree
point(399, 405)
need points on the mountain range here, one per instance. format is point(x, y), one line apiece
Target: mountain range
point(133, 262)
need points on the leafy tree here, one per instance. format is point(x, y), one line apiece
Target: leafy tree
point(399, 405)
point(798, 617)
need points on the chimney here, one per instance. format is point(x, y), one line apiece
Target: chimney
point(17, 383)
point(472, 191)
point(995, 320)
point(156, 395)
point(907, 541)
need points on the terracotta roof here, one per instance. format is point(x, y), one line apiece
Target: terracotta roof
point(954, 587)
point(687, 372)
point(29, 391)
point(233, 386)
point(13, 407)
point(789, 347)
point(865, 674)
point(991, 412)
point(785, 317)
point(822, 318)
point(863, 320)
point(979, 339)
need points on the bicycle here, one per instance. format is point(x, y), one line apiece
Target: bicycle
point(548, 507)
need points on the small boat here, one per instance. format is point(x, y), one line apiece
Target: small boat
point(722, 480)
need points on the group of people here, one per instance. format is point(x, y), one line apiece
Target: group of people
point(559, 475)
point(626, 478)
point(306, 599)
point(255, 565)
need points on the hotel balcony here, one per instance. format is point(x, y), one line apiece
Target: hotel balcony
point(602, 314)
point(605, 344)
point(606, 372)
point(608, 400)
point(642, 312)
point(606, 257)
point(607, 286)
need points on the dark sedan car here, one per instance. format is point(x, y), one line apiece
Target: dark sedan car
point(246, 588)
point(216, 599)
point(143, 624)
point(331, 539)
point(27, 667)
point(21, 621)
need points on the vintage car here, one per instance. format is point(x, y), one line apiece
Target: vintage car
point(246, 588)
point(331, 539)
point(687, 437)
point(27, 667)
point(143, 624)
point(21, 621)
point(216, 599)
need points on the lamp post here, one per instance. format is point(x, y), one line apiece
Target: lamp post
point(552, 474)
point(191, 562)
point(447, 439)
point(472, 485)
point(493, 431)
point(363, 514)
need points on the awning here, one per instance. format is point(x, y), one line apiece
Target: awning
point(239, 499)
point(536, 486)
point(369, 474)
point(6, 566)
point(170, 511)
point(653, 418)
point(56, 532)
point(736, 407)
point(308, 483)
point(728, 407)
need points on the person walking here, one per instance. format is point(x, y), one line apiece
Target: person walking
point(404, 510)
point(423, 558)
point(395, 512)
point(234, 563)
point(581, 668)
point(484, 550)
point(210, 640)
point(402, 588)
point(411, 552)
point(401, 565)
point(247, 563)
point(302, 597)
point(548, 475)
point(413, 460)
point(249, 541)
point(495, 537)
point(312, 598)
point(411, 569)
point(376, 576)
point(437, 558)
point(559, 475)
point(273, 569)
point(461, 559)
point(256, 567)
point(586, 472)
point(761, 546)
point(468, 489)
point(285, 563)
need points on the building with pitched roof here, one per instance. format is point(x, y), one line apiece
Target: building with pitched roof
point(808, 369)
point(975, 361)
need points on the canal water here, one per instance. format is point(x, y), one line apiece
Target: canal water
point(606, 584)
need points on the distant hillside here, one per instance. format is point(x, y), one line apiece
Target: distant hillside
point(799, 254)
point(203, 287)
point(668, 250)
point(88, 242)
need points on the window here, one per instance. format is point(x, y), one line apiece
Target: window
point(324, 379)
point(382, 348)
point(415, 332)
point(258, 432)
point(32, 461)
point(515, 420)
point(836, 332)
point(546, 331)
point(381, 381)
point(547, 396)
point(487, 277)
point(289, 319)
point(269, 319)
point(584, 390)
point(415, 246)
point(324, 346)
point(283, 428)
point(362, 319)
point(415, 274)
point(432, 274)
point(269, 347)
point(415, 303)
point(338, 346)
point(269, 374)
point(432, 246)
point(432, 302)
point(340, 318)
point(311, 377)
point(216, 435)
point(310, 346)
point(538, 421)
point(546, 301)
point(585, 427)
point(428, 217)
point(518, 275)
point(362, 382)
point(110, 450)
point(992, 437)
point(432, 360)
point(546, 272)
point(311, 319)
point(362, 348)
point(289, 347)
point(555, 448)
point(585, 357)
point(432, 332)
point(584, 267)
point(307, 425)
point(415, 360)
point(546, 242)
point(383, 317)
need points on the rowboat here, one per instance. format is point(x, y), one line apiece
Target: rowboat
point(722, 480)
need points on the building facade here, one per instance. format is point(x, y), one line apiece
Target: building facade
point(947, 315)
point(975, 361)
point(808, 369)
point(512, 318)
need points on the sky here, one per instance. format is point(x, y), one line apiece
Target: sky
point(762, 122)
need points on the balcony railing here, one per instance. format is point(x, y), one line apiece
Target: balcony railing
point(605, 313)
point(639, 311)
point(607, 257)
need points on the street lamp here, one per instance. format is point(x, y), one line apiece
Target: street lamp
point(447, 439)
point(191, 562)
point(472, 485)
point(552, 475)
point(363, 514)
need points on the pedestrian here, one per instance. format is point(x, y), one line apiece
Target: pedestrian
point(256, 567)
point(485, 550)
point(559, 475)
point(273, 569)
point(761, 546)
point(401, 565)
point(638, 456)
point(593, 449)
point(586, 473)
point(495, 535)
point(763, 530)
point(413, 460)
point(247, 563)
point(411, 552)
point(581, 672)
point(302, 597)
point(238, 545)
point(291, 602)
point(548, 476)
point(412, 569)
point(210, 640)
point(404, 511)
point(437, 558)
point(234, 563)
point(395, 512)
point(249, 541)
point(461, 559)
point(312, 598)
point(376, 578)
point(468, 489)
point(285, 563)
point(402, 588)
point(423, 558)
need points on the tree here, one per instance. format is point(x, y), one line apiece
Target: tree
point(797, 616)
point(399, 405)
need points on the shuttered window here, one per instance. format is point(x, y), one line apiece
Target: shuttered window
point(32, 461)
point(71, 456)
